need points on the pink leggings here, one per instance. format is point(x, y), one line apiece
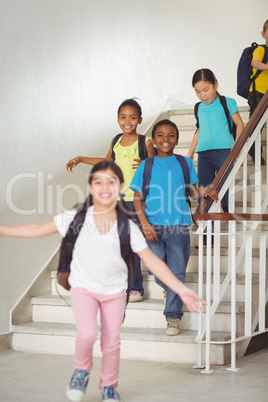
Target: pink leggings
point(85, 307)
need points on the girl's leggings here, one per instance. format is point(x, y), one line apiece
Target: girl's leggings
point(85, 307)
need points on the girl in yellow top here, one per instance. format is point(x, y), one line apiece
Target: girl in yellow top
point(126, 156)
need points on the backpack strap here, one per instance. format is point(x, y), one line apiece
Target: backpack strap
point(126, 251)
point(142, 147)
point(232, 127)
point(67, 246)
point(186, 176)
point(196, 106)
point(147, 173)
point(114, 141)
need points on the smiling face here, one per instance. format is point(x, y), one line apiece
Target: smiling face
point(206, 91)
point(128, 119)
point(165, 139)
point(105, 188)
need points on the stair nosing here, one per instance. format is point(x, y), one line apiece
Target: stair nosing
point(127, 333)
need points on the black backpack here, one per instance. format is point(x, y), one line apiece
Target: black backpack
point(141, 145)
point(244, 70)
point(231, 125)
point(186, 175)
point(67, 245)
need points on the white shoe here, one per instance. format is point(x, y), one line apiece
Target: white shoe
point(78, 385)
point(135, 296)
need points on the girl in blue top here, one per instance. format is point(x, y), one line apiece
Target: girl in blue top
point(212, 140)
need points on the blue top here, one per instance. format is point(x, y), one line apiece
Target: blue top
point(213, 126)
point(166, 203)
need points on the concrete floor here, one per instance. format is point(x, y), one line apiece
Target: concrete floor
point(28, 377)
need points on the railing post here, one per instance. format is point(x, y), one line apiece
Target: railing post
point(248, 284)
point(258, 189)
point(262, 281)
point(200, 318)
point(232, 261)
point(208, 300)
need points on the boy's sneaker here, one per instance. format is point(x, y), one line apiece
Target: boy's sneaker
point(110, 394)
point(173, 326)
point(135, 296)
point(78, 385)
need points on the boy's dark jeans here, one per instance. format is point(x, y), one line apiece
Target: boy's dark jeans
point(254, 99)
point(173, 248)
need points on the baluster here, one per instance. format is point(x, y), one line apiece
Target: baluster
point(248, 284)
point(200, 322)
point(232, 260)
point(208, 299)
point(262, 281)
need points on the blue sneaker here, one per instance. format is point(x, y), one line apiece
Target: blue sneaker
point(110, 394)
point(78, 385)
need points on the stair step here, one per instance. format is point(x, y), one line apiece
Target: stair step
point(145, 314)
point(136, 343)
point(184, 117)
point(155, 292)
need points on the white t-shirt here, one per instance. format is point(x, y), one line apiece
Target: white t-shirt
point(97, 264)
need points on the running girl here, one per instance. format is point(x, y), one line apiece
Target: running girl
point(98, 278)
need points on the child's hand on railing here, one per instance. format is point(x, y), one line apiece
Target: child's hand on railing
point(209, 192)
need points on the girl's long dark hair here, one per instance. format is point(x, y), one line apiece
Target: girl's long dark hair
point(204, 74)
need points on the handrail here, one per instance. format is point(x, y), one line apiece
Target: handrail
point(224, 216)
point(237, 148)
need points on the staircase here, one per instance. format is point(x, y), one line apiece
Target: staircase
point(43, 322)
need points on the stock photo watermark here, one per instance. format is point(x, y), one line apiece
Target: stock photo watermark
point(49, 197)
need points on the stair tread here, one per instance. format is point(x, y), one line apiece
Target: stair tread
point(146, 304)
point(129, 333)
point(191, 111)
point(191, 277)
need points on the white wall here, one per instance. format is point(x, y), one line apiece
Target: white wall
point(65, 67)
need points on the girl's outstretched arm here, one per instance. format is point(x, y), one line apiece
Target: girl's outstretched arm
point(239, 124)
point(161, 270)
point(29, 230)
point(193, 145)
point(86, 159)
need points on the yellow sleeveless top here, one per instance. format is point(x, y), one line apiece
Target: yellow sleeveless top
point(124, 159)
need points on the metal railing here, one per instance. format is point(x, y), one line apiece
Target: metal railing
point(240, 230)
point(255, 296)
